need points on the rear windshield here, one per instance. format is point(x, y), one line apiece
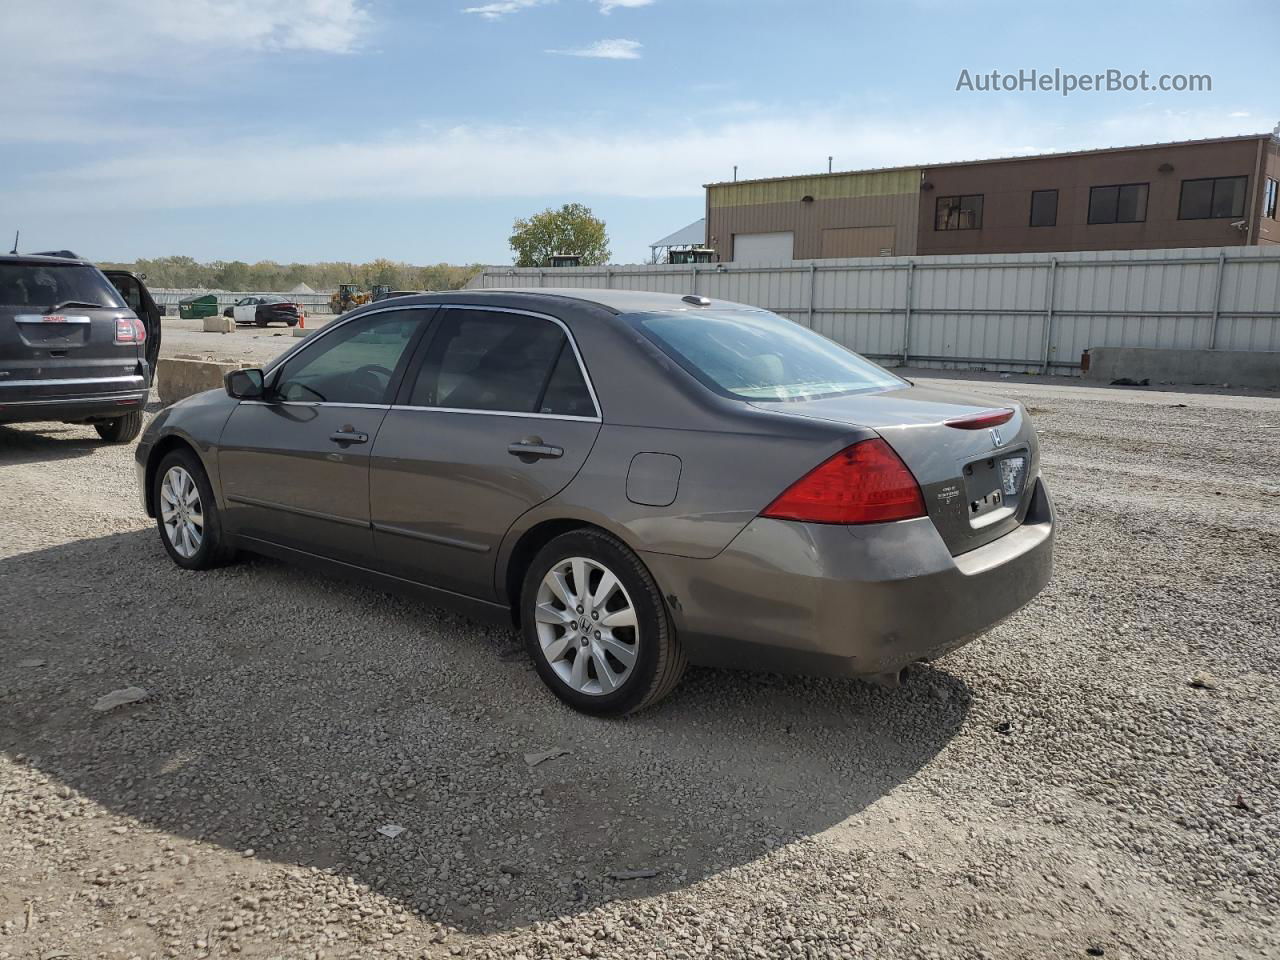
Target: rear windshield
point(757, 355)
point(47, 285)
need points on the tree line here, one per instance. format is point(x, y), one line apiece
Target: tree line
point(268, 276)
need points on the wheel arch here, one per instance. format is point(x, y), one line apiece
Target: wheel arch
point(164, 446)
point(526, 547)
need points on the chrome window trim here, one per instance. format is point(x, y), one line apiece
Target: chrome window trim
point(62, 381)
point(315, 403)
point(582, 367)
point(495, 413)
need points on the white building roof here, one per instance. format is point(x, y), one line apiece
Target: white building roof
point(694, 235)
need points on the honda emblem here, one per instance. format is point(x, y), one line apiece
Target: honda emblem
point(996, 439)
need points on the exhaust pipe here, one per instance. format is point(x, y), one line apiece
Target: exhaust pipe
point(892, 679)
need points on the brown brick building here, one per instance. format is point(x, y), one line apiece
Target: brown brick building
point(1198, 193)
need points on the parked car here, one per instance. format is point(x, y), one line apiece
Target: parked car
point(71, 349)
point(262, 310)
point(636, 480)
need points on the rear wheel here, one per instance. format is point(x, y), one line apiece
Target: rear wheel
point(186, 513)
point(596, 626)
point(122, 429)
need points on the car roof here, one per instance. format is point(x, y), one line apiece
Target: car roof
point(616, 301)
point(35, 259)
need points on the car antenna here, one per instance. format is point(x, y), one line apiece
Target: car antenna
point(15, 242)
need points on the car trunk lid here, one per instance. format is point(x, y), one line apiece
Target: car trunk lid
point(975, 481)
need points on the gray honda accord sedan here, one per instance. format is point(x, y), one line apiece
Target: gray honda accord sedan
point(637, 481)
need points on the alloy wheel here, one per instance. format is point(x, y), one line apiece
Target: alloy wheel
point(181, 512)
point(586, 625)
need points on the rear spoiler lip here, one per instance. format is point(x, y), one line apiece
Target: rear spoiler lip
point(982, 420)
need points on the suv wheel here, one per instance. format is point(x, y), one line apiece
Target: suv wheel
point(596, 626)
point(187, 514)
point(122, 429)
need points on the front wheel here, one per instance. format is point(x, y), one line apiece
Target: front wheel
point(187, 514)
point(122, 429)
point(595, 624)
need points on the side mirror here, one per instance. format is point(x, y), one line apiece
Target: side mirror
point(244, 384)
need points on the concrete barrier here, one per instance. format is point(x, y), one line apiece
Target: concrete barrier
point(177, 377)
point(219, 324)
point(1238, 368)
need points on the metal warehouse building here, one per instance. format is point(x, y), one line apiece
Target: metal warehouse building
point(1196, 193)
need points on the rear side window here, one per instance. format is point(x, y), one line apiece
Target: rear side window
point(43, 286)
point(501, 362)
point(757, 355)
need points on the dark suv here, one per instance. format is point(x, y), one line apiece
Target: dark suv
point(71, 348)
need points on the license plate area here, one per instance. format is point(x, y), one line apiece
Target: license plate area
point(994, 487)
point(53, 332)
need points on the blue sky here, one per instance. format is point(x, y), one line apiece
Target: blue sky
point(419, 129)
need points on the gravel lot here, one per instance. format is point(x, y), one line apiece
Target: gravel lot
point(1098, 776)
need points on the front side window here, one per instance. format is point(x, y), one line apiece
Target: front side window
point(1269, 199)
point(959, 213)
point(354, 364)
point(42, 286)
point(1044, 208)
point(501, 362)
point(757, 355)
point(1212, 197)
point(1119, 203)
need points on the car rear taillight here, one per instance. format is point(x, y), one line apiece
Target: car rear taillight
point(981, 421)
point(130, 330)
point(864, 483)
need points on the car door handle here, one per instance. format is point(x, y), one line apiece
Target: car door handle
point(349, 436)
point(534, 448)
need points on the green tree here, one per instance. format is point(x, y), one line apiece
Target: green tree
point(570, 230)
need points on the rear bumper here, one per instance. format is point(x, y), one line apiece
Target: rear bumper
point(850, 601)
point(123, 395)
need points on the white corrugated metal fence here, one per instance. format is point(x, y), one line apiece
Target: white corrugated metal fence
point(1021, 312)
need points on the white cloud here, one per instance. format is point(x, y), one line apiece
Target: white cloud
point(89, 32)
point(167, 49)
point(607, 6)
point(606, 50)
point(499, 9)
point(582, 159)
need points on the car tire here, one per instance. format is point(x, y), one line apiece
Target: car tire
point(590, 666)
point(174, 478)
point(261, 323)
point(292, 323)
point(122, 429)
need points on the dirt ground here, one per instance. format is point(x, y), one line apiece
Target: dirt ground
point(1098, 776)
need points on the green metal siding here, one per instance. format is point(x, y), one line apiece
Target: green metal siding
point(837, 186)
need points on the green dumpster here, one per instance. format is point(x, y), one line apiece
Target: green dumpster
point(196, 308)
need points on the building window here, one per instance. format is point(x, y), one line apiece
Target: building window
point(959, 213)
point(1269, 199)
point(1212, 197)
point(1118, 203)
point(1044, 208)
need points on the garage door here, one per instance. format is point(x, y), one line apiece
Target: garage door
point(763, 247)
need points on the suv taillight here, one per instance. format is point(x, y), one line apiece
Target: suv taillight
point(130, 330)
point(864, 483)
